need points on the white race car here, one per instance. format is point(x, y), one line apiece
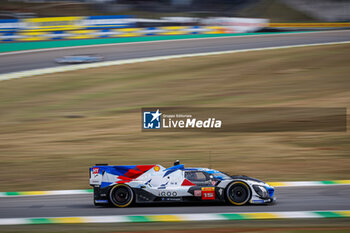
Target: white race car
point(77, 59)
point(122, 186)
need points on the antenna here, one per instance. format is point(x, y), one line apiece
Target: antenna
point(210, 159)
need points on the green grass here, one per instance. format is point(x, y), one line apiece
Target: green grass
point(42, 147)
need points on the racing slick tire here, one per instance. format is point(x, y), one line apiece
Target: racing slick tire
point(238, 193)
point(121, 195)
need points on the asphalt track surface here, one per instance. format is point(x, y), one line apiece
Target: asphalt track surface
point(336, 197)
point(44, 59)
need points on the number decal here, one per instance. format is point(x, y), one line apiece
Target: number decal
point(208, 193)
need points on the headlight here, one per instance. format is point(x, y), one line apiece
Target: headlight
point(261, 191)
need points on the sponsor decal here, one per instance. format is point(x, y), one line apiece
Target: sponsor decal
point(168, 194)
point(197, 193)
point(221, 191)
point(95, 170)
point(101, 201)
point(171, 199)
point(257, 201)
point(208, 193)
point(208, 189)
point(156, 168)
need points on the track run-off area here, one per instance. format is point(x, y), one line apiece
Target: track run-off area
point(325, 201)
point(307, 201)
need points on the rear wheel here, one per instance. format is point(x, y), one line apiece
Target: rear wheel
point(121, 195)
point(238, 193)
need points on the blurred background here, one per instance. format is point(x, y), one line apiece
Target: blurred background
point(75, 117)
point(29, 20)
point(54, 126)
point(275, 10)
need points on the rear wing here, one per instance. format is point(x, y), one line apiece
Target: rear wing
point(104, 174)
point(96, 174)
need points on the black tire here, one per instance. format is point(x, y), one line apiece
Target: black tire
point(121, 195)
point(238, 193)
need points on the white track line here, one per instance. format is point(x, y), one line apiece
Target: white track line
point(159, 41)
point(35, 72)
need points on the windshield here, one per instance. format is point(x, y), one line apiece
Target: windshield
point(220, 175)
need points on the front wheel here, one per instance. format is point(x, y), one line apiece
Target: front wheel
point(238, 193)
point(121, 195)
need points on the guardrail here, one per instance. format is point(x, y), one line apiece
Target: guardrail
point(89, 27)
point(67, 23)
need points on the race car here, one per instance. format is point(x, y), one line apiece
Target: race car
point(77, 59)
point(122, 186)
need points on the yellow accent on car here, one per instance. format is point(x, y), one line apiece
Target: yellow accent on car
point(208, 188)
point(157, 168)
